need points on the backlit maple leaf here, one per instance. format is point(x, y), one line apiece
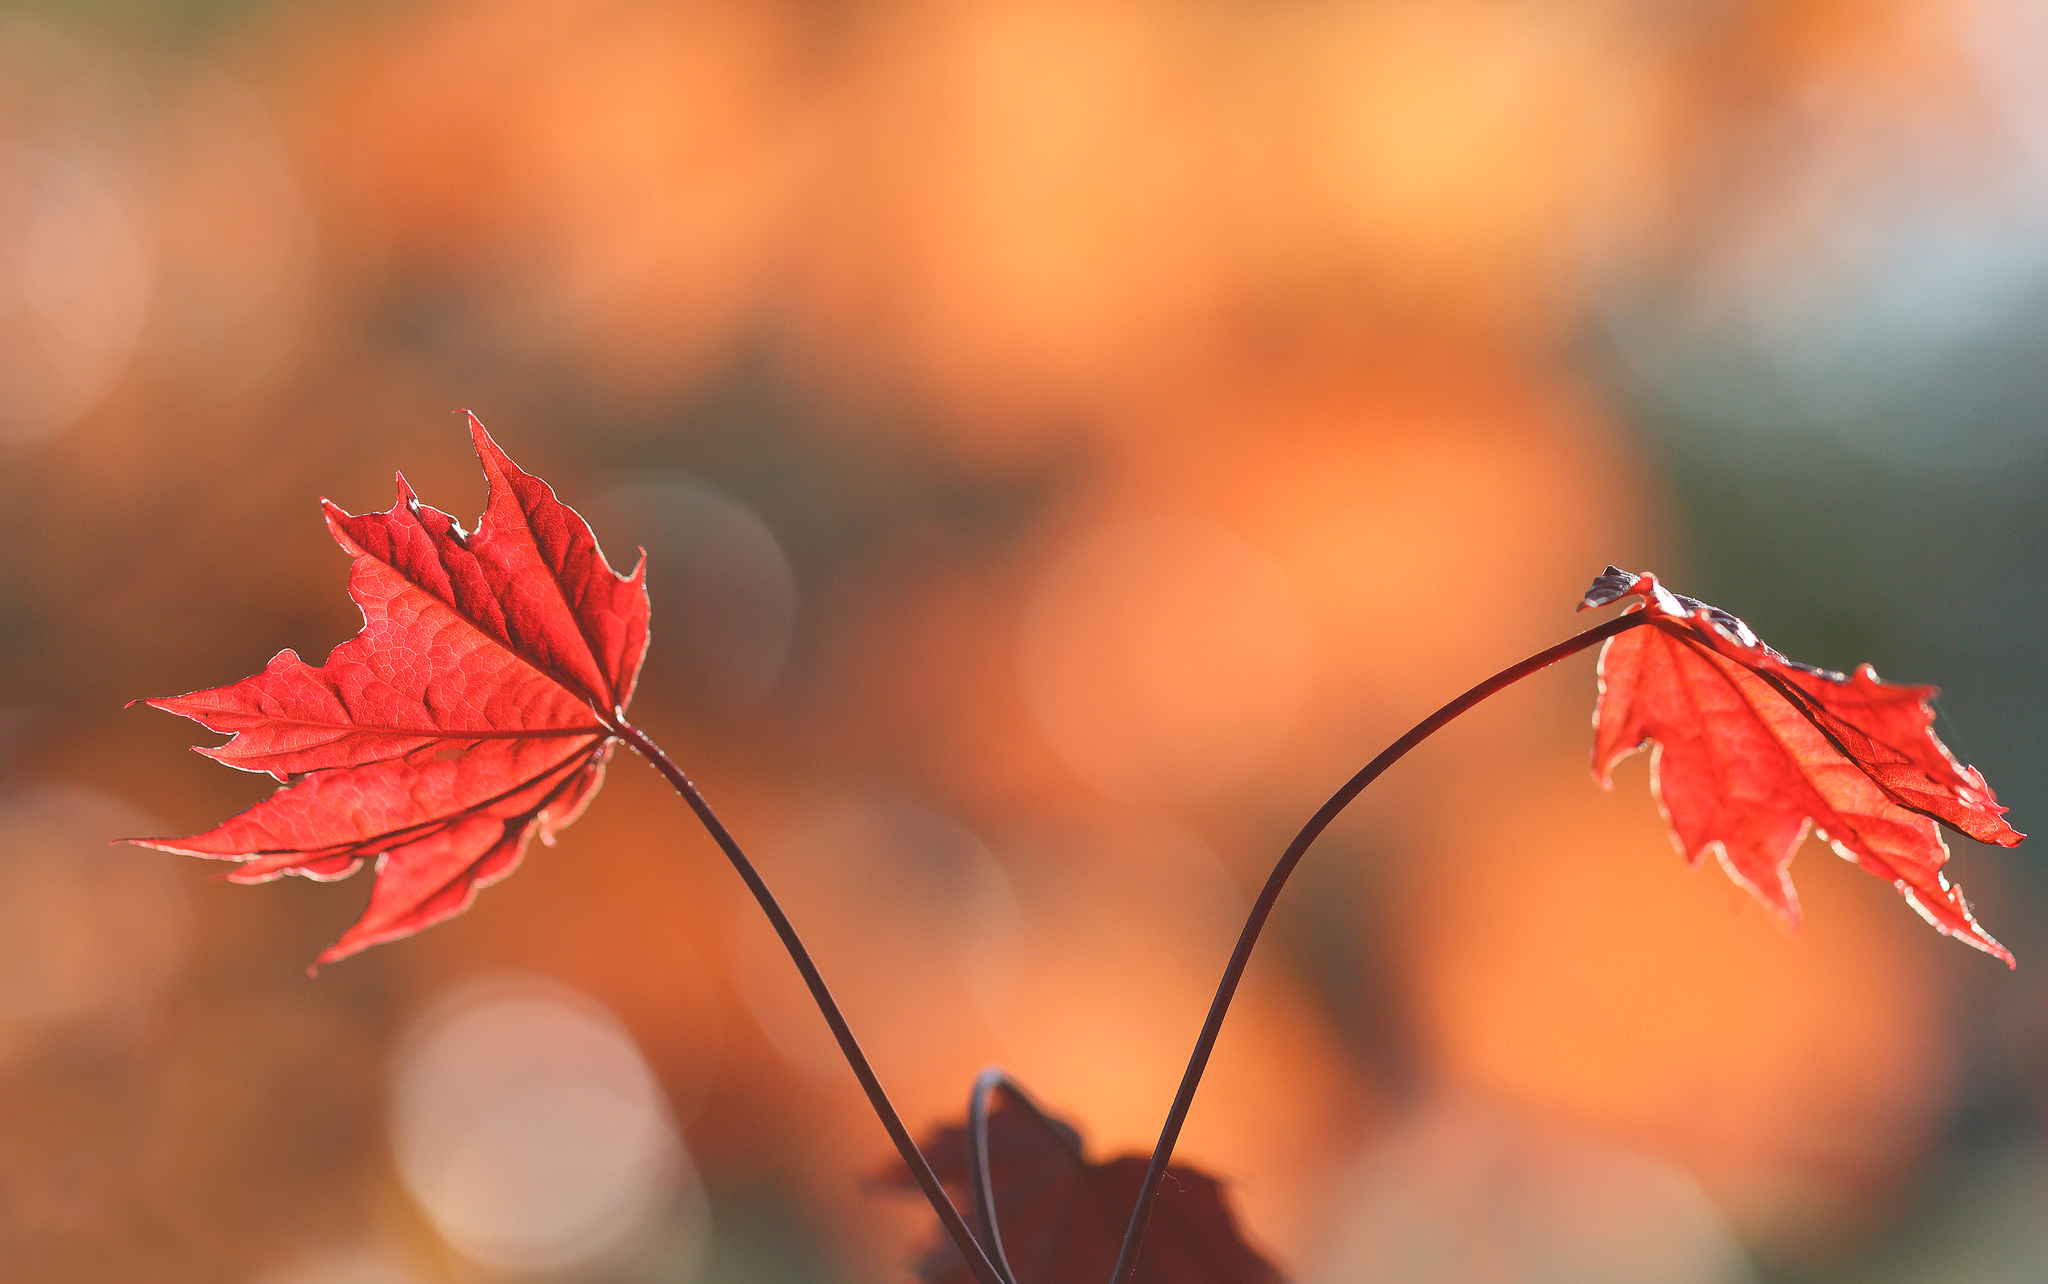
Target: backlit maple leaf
point(1752, 749)
point(1062, 1218)
point(476, 708)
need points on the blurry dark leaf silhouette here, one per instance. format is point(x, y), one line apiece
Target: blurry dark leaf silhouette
point(1752, 749)
point(1061, 1218)
point(475, 709)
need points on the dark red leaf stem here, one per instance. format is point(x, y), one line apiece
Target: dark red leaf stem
point(927, 1181)
point(1255, 922)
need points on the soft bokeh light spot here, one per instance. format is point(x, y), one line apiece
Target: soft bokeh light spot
point(1465, 1194)
point(1573, 963)
point(85, 931)
point(725, 591)
point(359, 1266)
point(76, 267)
point(1457, 141)
point(532, 1133)
point(1019, 203)
point(1164, 658)
point(901, 904)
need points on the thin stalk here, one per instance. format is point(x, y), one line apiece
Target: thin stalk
point(985, 1085)
point(1255, 922)
point(927, 1181)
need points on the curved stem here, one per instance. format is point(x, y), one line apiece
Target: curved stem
point(985, 1085)
point(1198, 1061)
point(927, 1181)
point(990, 1081)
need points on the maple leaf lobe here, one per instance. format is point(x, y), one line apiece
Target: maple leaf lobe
point(1751, 750)
point(475, 709)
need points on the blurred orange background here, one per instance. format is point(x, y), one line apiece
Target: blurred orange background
point(1068, 439)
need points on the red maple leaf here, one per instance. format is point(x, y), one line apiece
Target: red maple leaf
point(1752, 749)
point(1061, 1218)
point(476, 708)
